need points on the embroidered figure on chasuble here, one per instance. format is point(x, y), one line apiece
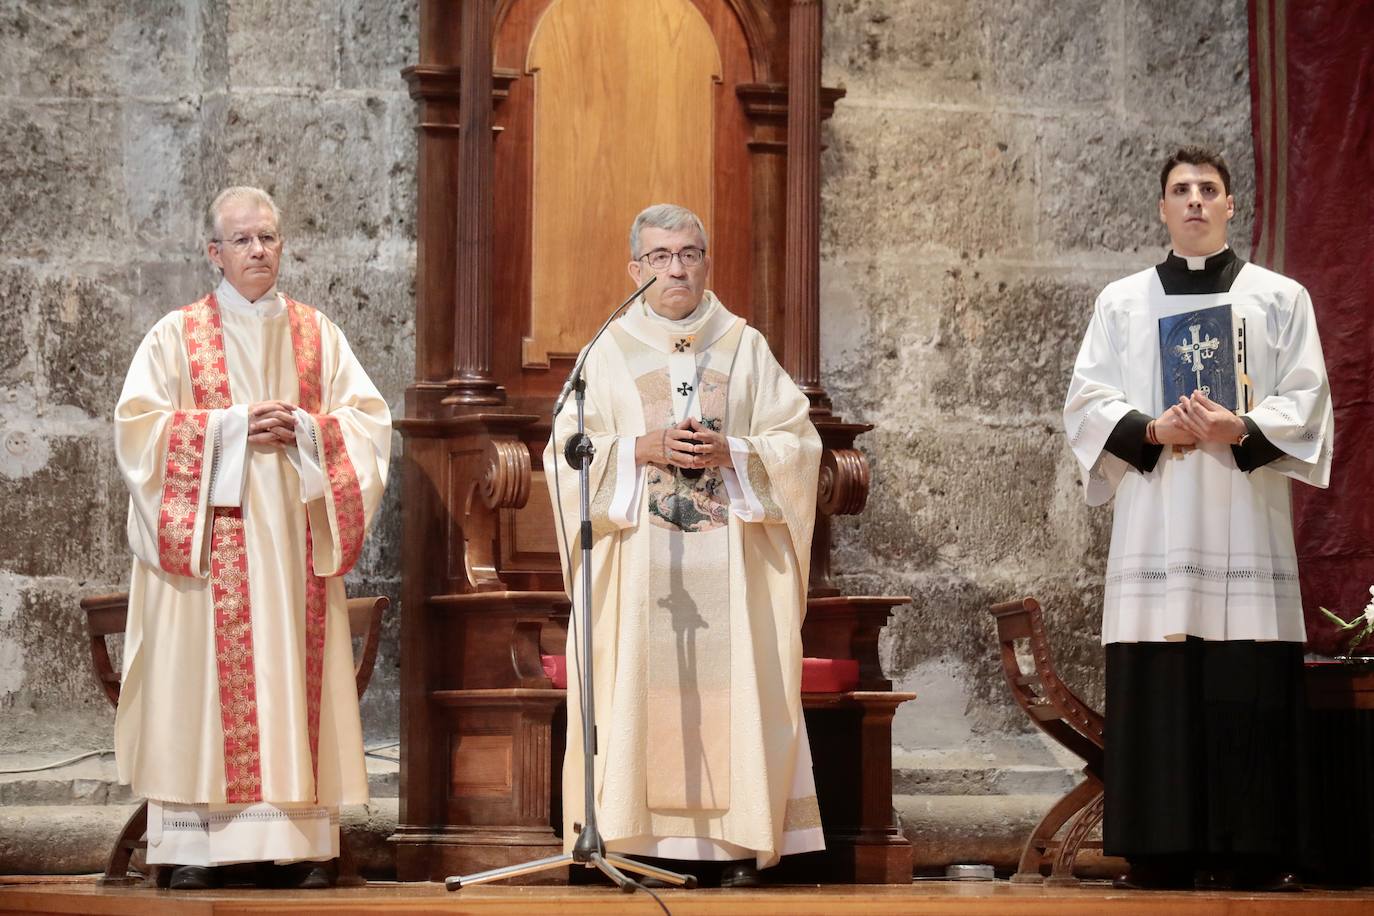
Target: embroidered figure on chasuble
point(676, 501)
point(255, 451)
point(703, 493)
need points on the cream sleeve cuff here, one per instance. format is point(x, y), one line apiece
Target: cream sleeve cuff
point(305, 457)
point(629, 485)
point(744, 502)
point(227, 471)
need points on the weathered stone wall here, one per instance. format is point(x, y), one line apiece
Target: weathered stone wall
point(992, 167)
point(118, 122)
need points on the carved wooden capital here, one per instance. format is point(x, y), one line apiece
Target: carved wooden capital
point(766, 103)
point(430, 82)
point(843, 485)
point(506, 474)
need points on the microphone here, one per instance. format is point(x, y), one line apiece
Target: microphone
point(576, 374)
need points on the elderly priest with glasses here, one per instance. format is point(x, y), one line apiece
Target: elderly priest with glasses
point(255, 450)
point(703, 499)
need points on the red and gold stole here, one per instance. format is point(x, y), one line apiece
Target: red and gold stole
point(348, 508)
point(228, 552)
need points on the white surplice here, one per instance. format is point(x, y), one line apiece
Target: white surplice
point(1199, 547)
point(699, 591)
point(170, 741)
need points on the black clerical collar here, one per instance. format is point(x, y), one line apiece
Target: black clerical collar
point(1216, 276)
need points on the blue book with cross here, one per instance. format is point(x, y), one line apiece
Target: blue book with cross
point(1197, 352)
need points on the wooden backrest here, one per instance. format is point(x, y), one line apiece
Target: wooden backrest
point(1053, 707)
point(106, 615)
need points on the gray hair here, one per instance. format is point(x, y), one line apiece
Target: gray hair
point(664, 216)
point(238, 192)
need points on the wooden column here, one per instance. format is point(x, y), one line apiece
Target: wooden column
point(802, 356)
point(472, 382)
point(434, 83)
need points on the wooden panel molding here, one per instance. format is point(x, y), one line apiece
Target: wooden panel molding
point(633, 121)
point(480, 766)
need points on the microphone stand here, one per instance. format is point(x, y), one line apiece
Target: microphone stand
point(590, 850)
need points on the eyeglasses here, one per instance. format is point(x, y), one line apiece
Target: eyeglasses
point(660, 258)
point(244, 243)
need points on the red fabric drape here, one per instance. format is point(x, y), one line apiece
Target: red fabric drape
point(1312, 104)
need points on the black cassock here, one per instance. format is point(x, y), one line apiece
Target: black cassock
point(1205, 740)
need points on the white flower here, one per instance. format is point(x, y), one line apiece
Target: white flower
point(1369, 613)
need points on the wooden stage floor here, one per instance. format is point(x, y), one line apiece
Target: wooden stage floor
point(922, 898)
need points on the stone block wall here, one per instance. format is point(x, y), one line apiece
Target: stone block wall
point(118, 123)
point(992, 167)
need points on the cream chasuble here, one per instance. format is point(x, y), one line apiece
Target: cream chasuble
point(1176, 567)
point(699, 590)
point(238, 713)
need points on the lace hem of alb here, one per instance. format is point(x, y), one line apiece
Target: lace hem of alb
point(202, 822)
point(1200, 571)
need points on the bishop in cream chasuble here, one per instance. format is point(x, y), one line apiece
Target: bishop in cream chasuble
point(700, 568)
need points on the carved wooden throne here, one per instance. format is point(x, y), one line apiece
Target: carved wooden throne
point(544, 127)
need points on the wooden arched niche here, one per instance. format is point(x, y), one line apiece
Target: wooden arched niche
point(614, 105)
point(630, 123)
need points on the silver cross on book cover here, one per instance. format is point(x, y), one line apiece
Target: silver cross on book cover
point(1197, 353)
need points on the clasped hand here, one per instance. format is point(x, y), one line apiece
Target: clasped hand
point(272, 423)
point(675, 446)
point(1197, 419)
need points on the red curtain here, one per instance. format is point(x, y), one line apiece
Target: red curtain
point(1312, 105)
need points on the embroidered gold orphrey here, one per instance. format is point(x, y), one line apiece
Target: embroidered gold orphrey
point(347, 499)
point(238, 699)
point(176, 523)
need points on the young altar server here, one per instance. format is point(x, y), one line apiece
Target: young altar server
point(1199, 393)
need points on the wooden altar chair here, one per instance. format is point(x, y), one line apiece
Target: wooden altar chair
point(106, 616)
point(1059, 713)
